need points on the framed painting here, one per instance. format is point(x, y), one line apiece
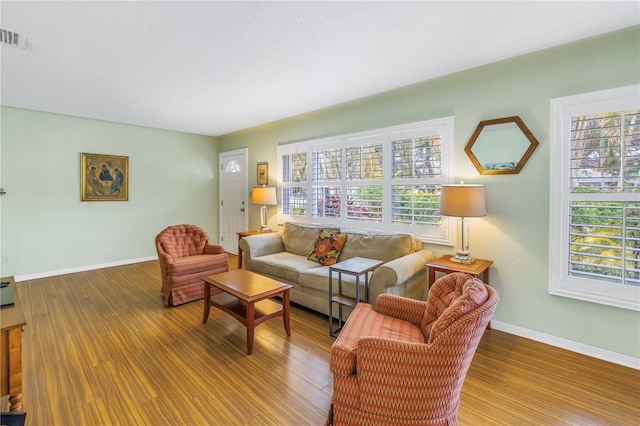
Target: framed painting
point(104, 177)
point(263, 173)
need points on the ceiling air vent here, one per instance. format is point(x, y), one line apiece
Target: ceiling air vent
point(13, 38)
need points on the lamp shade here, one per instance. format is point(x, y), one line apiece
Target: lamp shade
point(463, 200)
point(265, 195)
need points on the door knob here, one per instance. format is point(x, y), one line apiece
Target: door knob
point(242, 209)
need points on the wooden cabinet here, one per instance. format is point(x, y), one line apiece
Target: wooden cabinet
point(12, 323)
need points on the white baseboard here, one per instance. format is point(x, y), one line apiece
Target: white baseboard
point(569, 345)
point(26, 277)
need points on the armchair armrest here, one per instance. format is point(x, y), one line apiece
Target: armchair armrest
point(164, 257)
point(213, 249)
point(401, 307)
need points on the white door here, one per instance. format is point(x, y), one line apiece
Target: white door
point(233, 198)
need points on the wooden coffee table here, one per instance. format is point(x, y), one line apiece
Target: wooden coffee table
point(245, 296)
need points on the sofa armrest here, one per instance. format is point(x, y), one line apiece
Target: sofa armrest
point(213, 249)
point(260, 245)
point(405, 276)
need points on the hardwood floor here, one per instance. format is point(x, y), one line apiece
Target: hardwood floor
point(101, 349)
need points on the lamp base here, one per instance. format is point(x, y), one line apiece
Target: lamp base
point(264, 219)
point(462, 259)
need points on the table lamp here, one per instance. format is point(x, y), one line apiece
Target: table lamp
point(265, 195)
point(463, 200)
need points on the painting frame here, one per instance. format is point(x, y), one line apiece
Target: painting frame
point(104, 177)
point(262, 173)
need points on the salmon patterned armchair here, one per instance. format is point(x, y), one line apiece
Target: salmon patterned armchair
point(405, 363)
point(185, 257)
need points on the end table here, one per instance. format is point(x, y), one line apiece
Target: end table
point(356, 266)
point(444, 264)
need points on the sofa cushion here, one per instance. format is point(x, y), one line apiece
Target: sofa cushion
point(327, 247)
point(317, 279)
point(416, 244)
point(385, 247)
point(298, 239)
point(283, 265)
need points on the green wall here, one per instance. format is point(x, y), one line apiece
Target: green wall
point(46, 228)
point(515, 234)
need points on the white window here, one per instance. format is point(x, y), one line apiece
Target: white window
point(594, 238)
point(385, 179)
point(292, 168)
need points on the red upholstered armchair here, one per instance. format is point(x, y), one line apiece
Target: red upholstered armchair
point(185, 257)
point(405, 364)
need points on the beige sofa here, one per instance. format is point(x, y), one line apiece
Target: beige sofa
point(283, 256)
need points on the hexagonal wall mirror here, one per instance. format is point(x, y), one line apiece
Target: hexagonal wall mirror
point(501, 146)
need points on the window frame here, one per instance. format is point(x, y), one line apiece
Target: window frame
point(442, 234)
point(561, 283)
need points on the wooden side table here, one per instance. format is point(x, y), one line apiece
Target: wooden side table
point(356, 266)
point(243, 234)
point(12, 323)
point(445, 265)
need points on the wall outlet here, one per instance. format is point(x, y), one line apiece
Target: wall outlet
point(5, 259)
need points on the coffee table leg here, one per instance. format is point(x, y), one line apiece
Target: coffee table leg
point(251, 317)
point(285, 308)
point(207, 298)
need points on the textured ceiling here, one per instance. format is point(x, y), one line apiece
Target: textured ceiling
point(215, 67)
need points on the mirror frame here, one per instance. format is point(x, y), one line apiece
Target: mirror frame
point(533, 144)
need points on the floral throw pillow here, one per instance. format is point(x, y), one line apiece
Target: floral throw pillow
point(327, 247)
